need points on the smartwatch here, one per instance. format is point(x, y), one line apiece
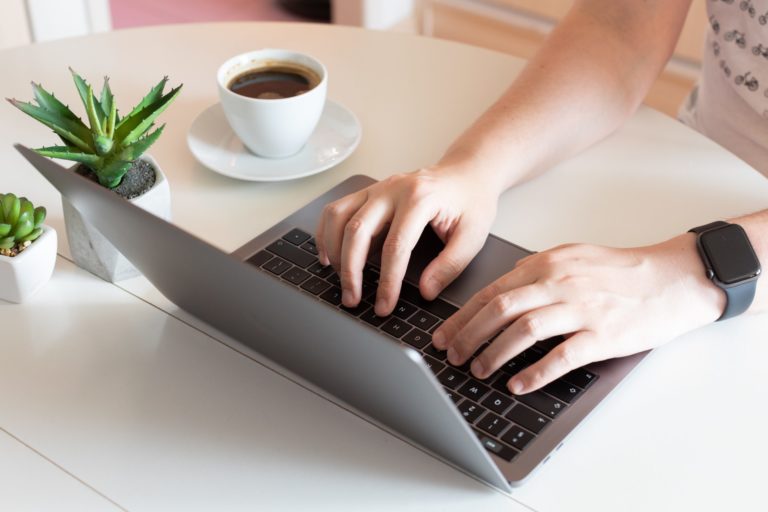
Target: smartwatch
point(731, 263)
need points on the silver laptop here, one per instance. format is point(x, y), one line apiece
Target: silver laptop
point(273, 296)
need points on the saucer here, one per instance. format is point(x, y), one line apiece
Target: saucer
point(216, 146)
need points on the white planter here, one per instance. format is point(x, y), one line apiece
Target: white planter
point(24, 274)
point(92, 251)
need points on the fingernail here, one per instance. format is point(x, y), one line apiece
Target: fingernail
point(346, 296)
point(432, 285)
point(438, 340)
point(477, 368)
point(516, 387)
point(453, 356)
point(381, 305)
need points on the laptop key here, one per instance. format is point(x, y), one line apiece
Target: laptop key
point(357, 310)
point(334, 279)
point(514, 365)
point(474, 390)
point(497, 402)
point(320, 270)
point(423, 320)
point(259, 258)
point(455, 398)
point(471, 411)
point(451, 378)
point(290, 252)
point(370, 317)
point(433, 364)
point(332, 295)
point(505, 452)
point(315, 285)
point(562, 390)
point(430, 350)
point(296, 236)
point(404, 310)
point(296, 275)
point(310, 246)
point(417, 339)
point(500, 383)
point(493, 424)
point(395, 327)
point(543, 403)
point(437, 307)
point(276, 265)
point(580, 377)
point(527, 418)
point(517, 437)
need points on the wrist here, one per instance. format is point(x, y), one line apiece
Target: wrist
point(681, 267)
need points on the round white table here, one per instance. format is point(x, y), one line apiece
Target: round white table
point(111, 398)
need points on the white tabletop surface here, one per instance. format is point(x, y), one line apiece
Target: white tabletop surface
point(108, 402)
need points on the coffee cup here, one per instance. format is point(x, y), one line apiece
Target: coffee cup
point(273, 99)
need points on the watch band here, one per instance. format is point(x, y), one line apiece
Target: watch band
point(738, 298)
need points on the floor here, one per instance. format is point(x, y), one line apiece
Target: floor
point(137, 13)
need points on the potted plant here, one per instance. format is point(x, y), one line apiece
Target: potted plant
point(110, 151)
point(27, 248)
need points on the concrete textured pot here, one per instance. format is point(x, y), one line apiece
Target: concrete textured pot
point(92, 251)
point(24, 274)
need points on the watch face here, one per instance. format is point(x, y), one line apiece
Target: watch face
point(730, 254)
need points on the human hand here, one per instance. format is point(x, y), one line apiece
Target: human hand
point(608, 302)
point(458, 205)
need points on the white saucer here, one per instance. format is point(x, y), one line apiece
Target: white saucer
point(216, 146)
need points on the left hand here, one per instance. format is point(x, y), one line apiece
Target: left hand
point(608, 302)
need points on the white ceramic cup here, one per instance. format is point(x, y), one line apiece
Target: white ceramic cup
point(272, 128)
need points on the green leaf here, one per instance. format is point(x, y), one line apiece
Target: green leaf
point(66, 128)
point(40, 213)
point(86, 94)
point(93, 116)
point(152, 96)
point(27, 207)
point(4, 230)
point(107, 100)
point(135, 150)
point(24, 227)
point(34, 235)
point(49, 102)
point(65, 153)
point(131, 130)
point(11, 209)
point(7, 243)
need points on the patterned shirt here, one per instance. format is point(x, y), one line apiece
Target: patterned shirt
point(730, 104)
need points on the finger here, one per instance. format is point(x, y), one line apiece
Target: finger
point(442, 337)
point(572, 353)
point(406, 229)
point(539, 324)
point(369, 220)
point(462, 246)
point(331, 229)
point(497, 314)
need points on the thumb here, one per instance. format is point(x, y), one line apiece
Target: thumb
point(463, 244)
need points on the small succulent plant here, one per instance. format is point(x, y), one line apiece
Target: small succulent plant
point(111, 143)
point(20, 223)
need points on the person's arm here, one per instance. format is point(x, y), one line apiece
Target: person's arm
point(609, 302)
point(589, 76)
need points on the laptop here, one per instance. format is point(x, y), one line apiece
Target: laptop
point(273, 296)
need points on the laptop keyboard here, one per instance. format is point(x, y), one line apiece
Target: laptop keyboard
point(505, 424)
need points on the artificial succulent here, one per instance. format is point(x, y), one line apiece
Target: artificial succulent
point(111, 143)
point(20, 222)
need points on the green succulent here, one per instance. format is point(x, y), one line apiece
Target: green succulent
point(111, 143)
point(20, 221)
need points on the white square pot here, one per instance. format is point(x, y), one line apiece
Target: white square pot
point(92, 251)
point(24, 274)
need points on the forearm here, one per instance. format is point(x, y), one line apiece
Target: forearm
point(589, 76)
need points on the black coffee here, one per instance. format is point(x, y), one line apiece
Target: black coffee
point(275, 81)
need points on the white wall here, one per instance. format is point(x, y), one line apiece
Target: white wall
point(374, 14)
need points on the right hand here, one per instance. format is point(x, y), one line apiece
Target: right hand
point(458, 204)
